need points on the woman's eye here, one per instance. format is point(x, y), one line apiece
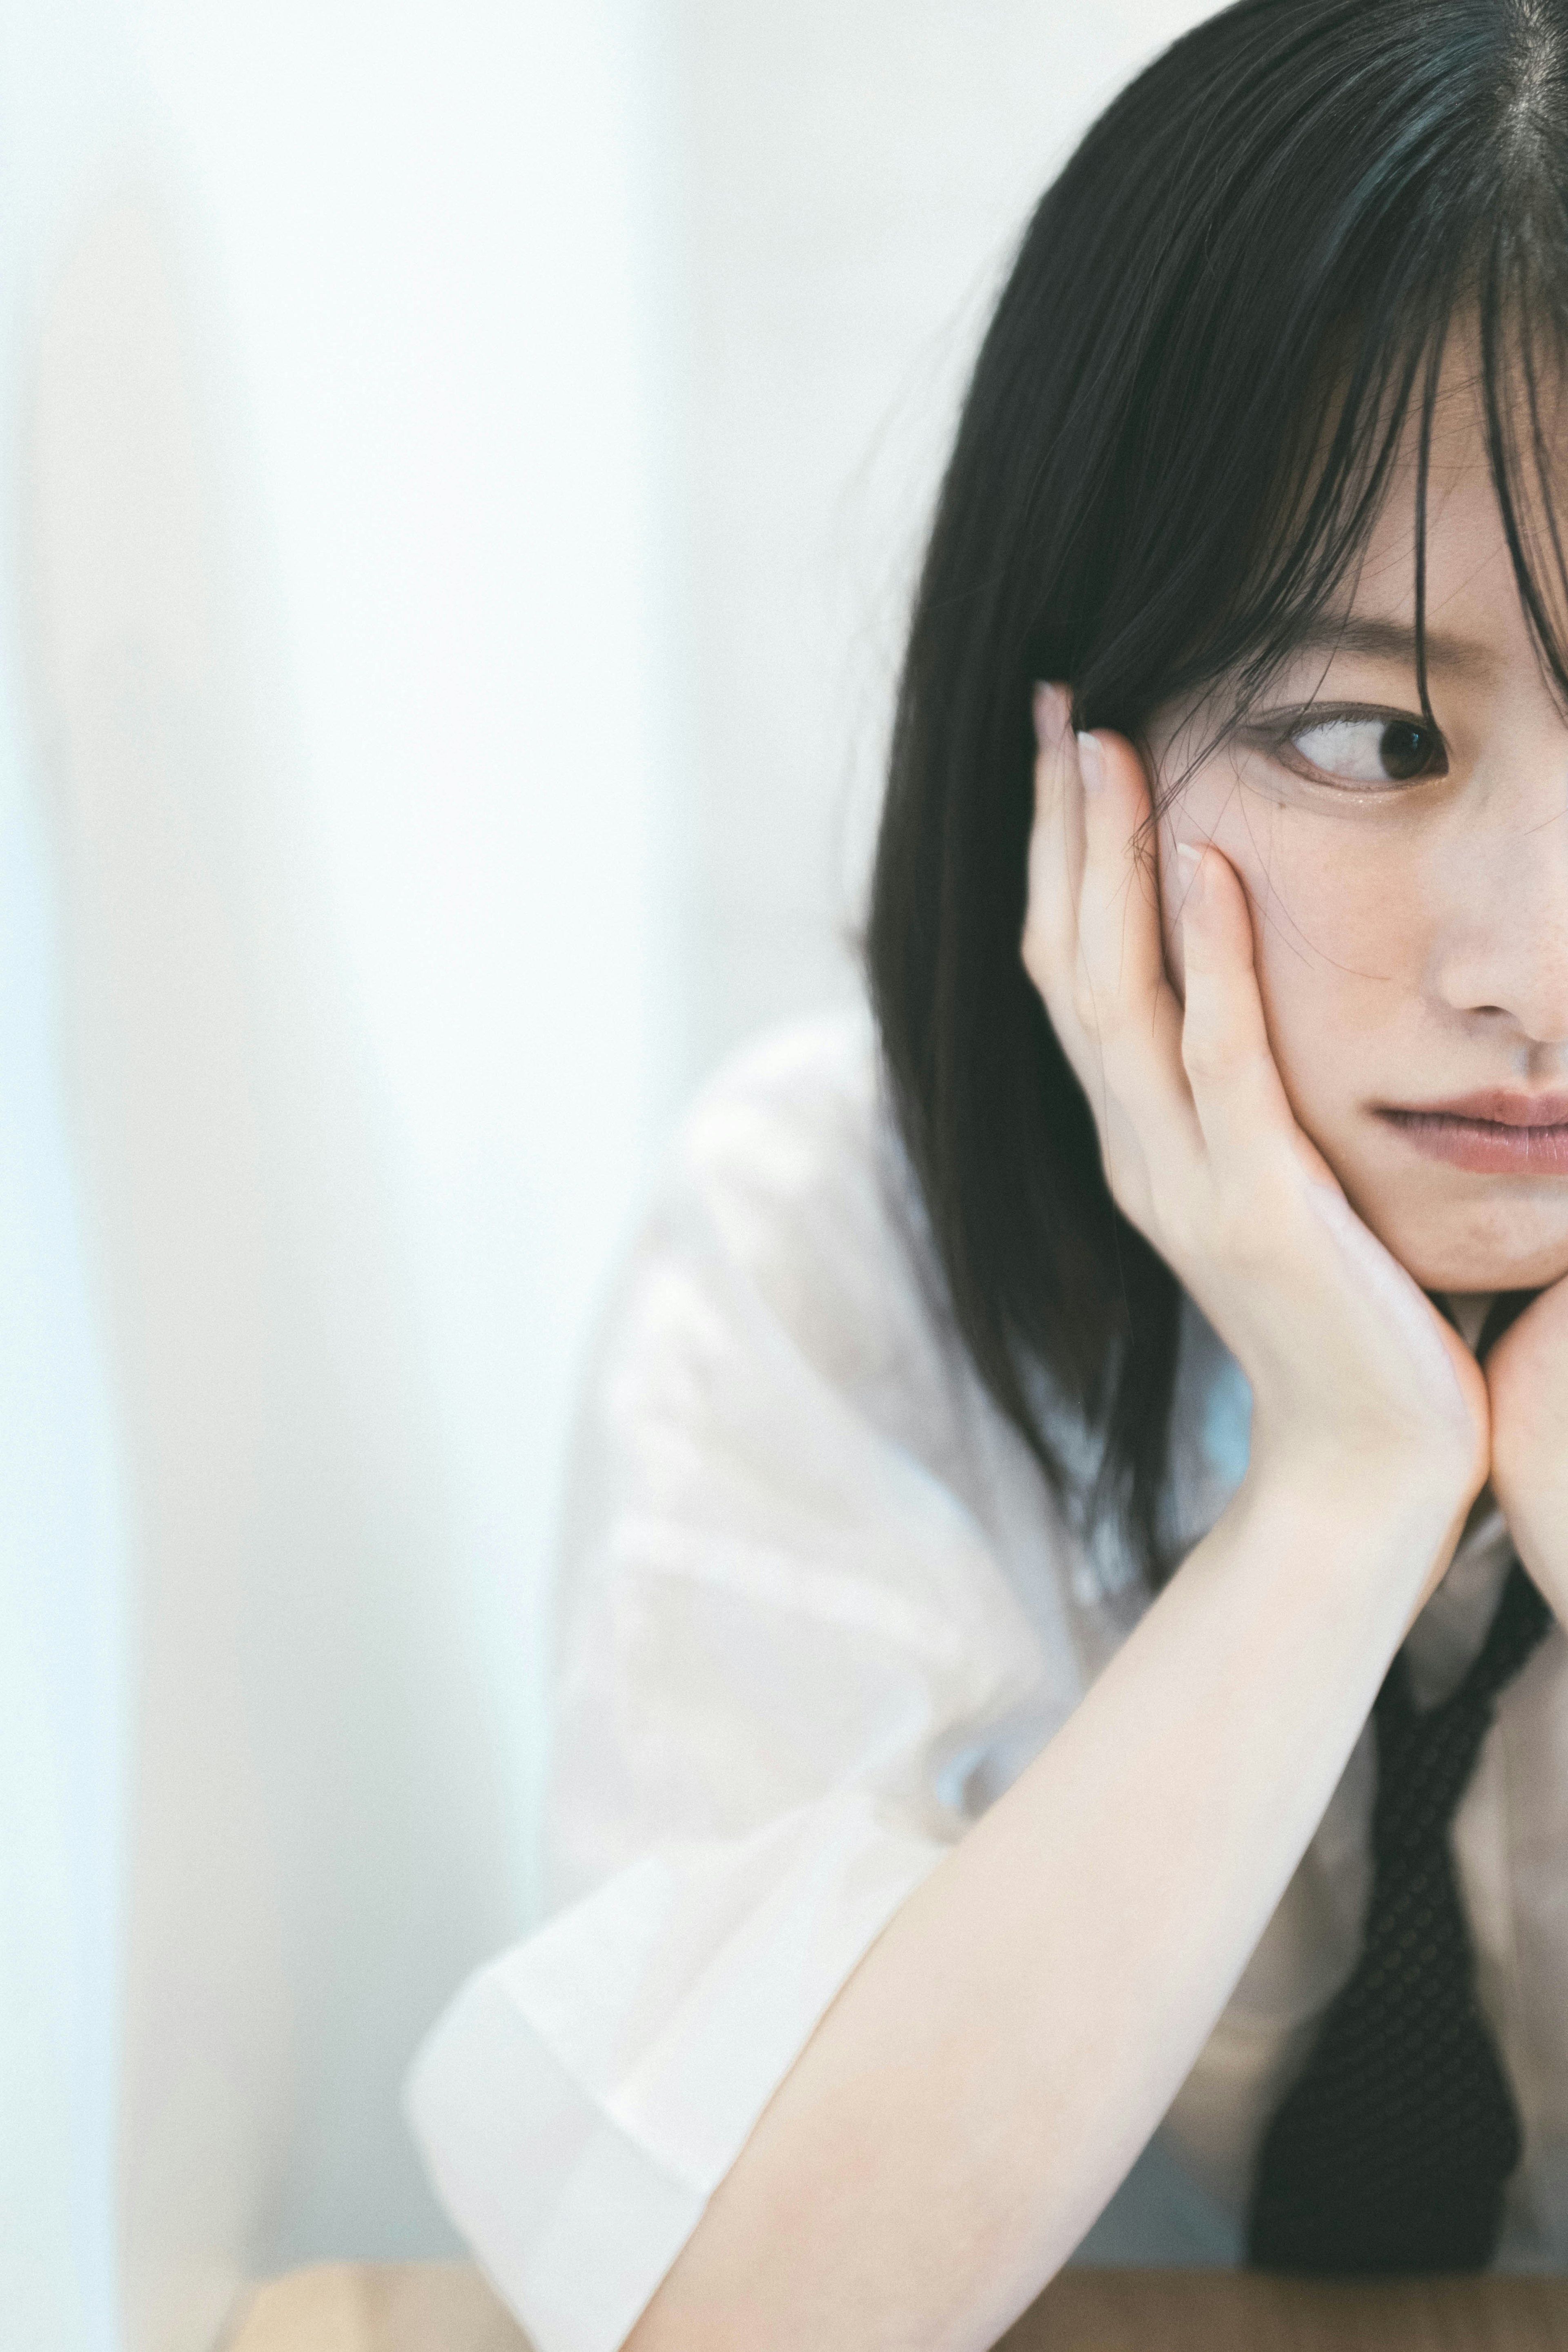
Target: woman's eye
point(1370, 751)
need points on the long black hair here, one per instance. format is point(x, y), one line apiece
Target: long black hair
point(1178, 435)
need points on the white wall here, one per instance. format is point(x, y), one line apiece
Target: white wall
point(431, 247)
point(854, 178)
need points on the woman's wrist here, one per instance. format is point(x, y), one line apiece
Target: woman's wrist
point(1391, 1514)
point(1375, 1461)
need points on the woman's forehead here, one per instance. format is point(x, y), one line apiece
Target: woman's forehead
point(1441, 539)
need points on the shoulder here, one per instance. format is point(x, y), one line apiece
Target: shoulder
point(774, 1349)
point(783, 1451)
point(792, 1111)
point(786, 1181)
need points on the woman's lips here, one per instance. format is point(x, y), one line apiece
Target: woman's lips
point(1493, 1133)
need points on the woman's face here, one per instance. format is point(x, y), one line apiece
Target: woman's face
point(1410, 890)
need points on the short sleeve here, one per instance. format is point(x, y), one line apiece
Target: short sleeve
point(780, 1634)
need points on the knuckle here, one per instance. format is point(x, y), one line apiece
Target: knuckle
point(1099, 1009)
point(1217, 1057)
point(1043, 969)
point(1174, 1229)
point(1207, 1059)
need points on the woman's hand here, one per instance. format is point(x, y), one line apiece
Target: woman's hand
point(1355, 1375)
point(1527, 1382)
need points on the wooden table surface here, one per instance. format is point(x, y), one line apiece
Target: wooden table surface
point(378, 2308)
point(447, 2307)
point(1236, 2311)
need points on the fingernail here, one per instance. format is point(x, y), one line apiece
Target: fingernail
point(1190, 865)
point(1050, 715)
point(1091, 762)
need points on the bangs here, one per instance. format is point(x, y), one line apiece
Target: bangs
point(1500, 316)
point(1522, 309)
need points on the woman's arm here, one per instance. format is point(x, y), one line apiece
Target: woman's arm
point(992, 2068)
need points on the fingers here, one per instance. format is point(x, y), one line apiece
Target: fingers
point(1056, 847)
point(1092, 945)
point(1236, 1087)
point(1123, 996)
point(1091, 939)
point(1165, 1083)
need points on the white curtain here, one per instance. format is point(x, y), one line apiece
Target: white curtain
point(463, 466)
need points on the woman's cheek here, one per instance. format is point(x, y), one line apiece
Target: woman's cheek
point(1319, 939)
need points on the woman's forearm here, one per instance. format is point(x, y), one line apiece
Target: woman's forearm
point(991, 2069)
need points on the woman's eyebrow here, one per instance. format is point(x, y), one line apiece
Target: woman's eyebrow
point(1394, 641)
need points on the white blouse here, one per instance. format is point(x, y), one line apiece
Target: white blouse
point(819, 1609)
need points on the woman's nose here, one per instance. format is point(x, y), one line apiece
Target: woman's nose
point(1504, 952)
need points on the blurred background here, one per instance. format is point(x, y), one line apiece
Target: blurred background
point(462, 474)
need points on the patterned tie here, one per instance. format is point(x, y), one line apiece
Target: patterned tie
point(1391, 2152)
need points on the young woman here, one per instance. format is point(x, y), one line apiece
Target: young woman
point(1064, 1730)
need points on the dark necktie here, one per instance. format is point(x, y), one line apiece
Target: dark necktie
point(1391, 2150)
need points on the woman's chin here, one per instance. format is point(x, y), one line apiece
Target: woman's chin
point(1460, 1273)
point(1464, 1243)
